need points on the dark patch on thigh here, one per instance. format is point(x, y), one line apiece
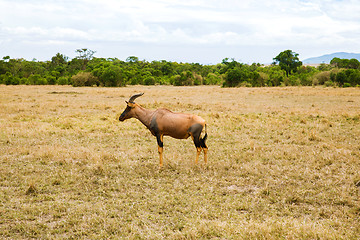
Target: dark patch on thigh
point(154, 128)
point(195, 130)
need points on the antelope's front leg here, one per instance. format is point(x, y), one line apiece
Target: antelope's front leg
point(205, 155)
point(198, 151)
point(160, 142)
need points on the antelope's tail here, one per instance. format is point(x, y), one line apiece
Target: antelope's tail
point(203, 140)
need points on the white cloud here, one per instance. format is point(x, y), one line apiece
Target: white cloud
point(277, 24)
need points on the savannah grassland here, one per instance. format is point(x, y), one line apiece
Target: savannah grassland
point(284, 163)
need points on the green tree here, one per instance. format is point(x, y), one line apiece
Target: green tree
point(233, 77)
point(132, 59)
point(288, 61)
point(354, 63)
point(353, 77)
point(341, 78)
point(336, 62)
point(111, 77)
point(167, 68)
point(85, 55)
point(6, 58)
point(226, 65)
point(345, 63)
point(59, 59)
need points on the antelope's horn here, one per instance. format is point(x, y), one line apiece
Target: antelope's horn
point(133, 97)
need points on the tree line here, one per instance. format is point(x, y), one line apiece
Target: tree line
point(87, 70)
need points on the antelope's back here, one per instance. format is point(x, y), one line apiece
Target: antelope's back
point(176, 125)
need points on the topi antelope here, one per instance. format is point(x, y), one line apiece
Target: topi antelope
point(163, 122)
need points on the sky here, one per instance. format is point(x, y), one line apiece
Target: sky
point(202, 31)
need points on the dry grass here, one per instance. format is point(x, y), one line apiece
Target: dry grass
point(284, 163)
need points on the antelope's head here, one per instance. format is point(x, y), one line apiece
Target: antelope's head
point(129, 110)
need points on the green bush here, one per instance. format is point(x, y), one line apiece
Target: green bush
point(329, 83)
point(9, 79)
point(63, 81)
point(212, 79)
point(321, 77)
point(349, 76)
point(164, 80)
point(184, 79)
point(198, 79)
point(262, 80)
point(36, 79)
point(51, 80)
point(24, 81)
point(235, 76)
point(149, 80)
point(111, 77)
point(292, 80)
point(82, 79)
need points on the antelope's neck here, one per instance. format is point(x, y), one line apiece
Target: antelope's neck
point(144, 115)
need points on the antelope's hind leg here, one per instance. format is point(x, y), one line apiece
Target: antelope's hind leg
point(204, 147)
point(195, 132)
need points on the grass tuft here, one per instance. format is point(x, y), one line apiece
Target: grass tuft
point(31, 190)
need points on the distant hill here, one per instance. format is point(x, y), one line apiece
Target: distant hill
point(328, 57)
